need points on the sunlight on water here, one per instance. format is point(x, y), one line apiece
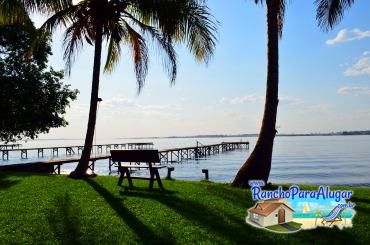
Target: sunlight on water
point(339, 160)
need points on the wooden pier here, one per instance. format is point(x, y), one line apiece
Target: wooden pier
point(199, 151)
point(9, 146)
point(166, 155)
point(72, 150)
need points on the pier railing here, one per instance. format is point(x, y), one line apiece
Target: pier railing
point(72, 150)
point(166, 156)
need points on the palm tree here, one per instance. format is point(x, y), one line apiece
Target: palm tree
point(258, 165)
point(330, 12)
point(126, 22)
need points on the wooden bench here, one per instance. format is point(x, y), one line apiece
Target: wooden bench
point(137, 159)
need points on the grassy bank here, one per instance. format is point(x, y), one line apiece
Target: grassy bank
point(55, 209)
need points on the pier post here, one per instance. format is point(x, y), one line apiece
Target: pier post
point(5, 154)
point(40, 151)
point(55, 150)
point(206, 176)
point(169, 170)
point(24, 154)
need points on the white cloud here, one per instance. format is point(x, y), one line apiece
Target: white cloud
point(320, 108)
point(223, 100)
point(354, 91)
point(121, 102)
point(360, 68)
point(345, 36)
point(366, 53)
point(290, 101)
point(246, 99)
point(118, 101)
point(252, 99)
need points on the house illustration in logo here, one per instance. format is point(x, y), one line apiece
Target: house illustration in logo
point(271, 212)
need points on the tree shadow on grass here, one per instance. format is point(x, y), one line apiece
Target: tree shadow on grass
point(240, 199)
point(11, 178)
point(324, 235)
point(360, 200)
point(143, 232)
point(64, 220)
point(6, 181)
point(233, 229)
point(125, 189)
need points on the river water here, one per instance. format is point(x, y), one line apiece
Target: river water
point(333, 160)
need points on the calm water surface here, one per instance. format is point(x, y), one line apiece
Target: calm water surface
point(333, 160)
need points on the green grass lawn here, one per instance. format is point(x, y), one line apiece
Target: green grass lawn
point(37, 209)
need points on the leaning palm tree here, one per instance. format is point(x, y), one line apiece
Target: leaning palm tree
point(131, 23)
point(330, 12)
point(258, 165)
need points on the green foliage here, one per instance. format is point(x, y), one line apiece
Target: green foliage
point(134, 23)
point(36, 209)
point(32, 97)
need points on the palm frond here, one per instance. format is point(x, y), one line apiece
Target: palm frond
point(114, 48)
point(164, 43)
point(186, 21)
point(282, 6)
point(12, 12)
point(330, 12)
point(63, 17)
point(140, 54)
point(17, 11)
point(130, 22)
point(45, 6)
point(73, 42)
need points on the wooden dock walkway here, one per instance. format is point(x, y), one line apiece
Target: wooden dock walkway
point(9, 146)
point(166, 156)
point(72, 150)
point(199, 151)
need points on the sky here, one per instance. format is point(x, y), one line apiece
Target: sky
point(324, 80)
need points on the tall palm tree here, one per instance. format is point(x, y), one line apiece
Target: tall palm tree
point(131, 23)
point(258, 165)
point(330, 12)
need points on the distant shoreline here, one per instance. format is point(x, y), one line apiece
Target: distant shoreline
point(344, 133)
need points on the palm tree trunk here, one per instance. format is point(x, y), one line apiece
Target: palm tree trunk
point(83, 164)
point(258, 165)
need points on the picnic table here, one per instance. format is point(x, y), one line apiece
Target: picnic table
point(138, 159)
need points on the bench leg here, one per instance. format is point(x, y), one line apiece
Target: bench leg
point(156, 172)
point(129, 178)
point(121, 176)
point(124, 171)
point(151, 181)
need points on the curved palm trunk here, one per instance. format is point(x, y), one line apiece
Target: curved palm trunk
point(83, 164)
point(258, 165)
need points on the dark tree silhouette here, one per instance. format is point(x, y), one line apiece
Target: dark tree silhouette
point(258, 165)
point(32, 97)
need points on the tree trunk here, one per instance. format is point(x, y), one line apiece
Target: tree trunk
point(258, 165)
point(83, 164)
